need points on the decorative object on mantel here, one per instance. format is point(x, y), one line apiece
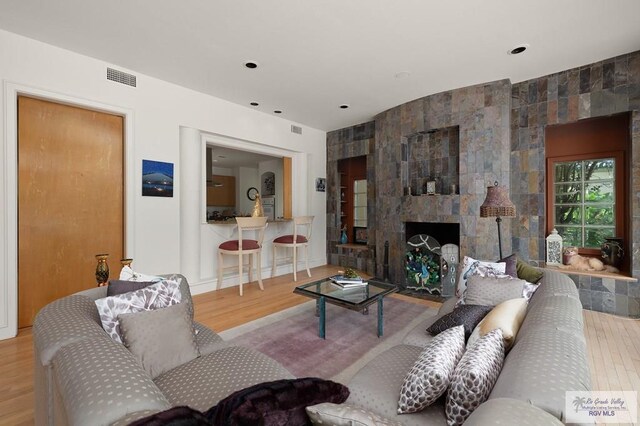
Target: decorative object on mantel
point(612, 251)
point(554, 248)
point(258, 211)
point(497, 204)
point(422, 264)
point(343, 236)
point(431, 187)
point(102, 269)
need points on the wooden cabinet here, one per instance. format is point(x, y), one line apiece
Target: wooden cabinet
point(221, 191)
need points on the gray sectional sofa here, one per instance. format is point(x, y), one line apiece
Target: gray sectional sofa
point(83, 377)
point(548, 358)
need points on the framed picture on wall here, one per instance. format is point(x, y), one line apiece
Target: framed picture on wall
point(360, 235)
point(157, 179)
point(321, 184)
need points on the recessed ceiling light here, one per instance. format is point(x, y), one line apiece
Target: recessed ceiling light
point(251, 64)
point(344, 106)
point(277, 111)
point(518, 49)
point(254, 104)
point(403, 74)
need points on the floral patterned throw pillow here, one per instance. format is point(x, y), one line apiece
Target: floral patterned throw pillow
point(160, 295)
point(471, 266)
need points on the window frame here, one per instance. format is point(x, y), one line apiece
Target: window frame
point(358, 206)
point(619, 197)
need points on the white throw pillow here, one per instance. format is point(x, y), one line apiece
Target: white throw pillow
point(160, 295)
point(127, 274)
point(471, 266)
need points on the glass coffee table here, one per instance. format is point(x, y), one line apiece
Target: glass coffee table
point(356, 298)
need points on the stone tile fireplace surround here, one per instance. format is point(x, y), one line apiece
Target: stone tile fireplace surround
point(498, 128)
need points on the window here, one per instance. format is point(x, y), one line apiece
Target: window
point(585, 202)
point(587, 167)
point(360, 203)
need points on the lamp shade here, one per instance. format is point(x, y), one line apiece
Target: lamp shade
point(497, 203)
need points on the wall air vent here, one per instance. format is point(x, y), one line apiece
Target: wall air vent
point(296, 129)
point(121, 77)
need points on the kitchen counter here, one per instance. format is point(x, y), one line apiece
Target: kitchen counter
point(233, 221)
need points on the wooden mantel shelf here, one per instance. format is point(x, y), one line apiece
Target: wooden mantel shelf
point(361, 247)
point(599, 274)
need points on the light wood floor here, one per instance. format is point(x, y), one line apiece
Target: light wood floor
point(613, 342)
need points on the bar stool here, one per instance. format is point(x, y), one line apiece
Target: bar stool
point(300, 238)
point(249, 247)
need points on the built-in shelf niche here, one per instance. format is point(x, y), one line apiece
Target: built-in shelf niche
point(434, 155)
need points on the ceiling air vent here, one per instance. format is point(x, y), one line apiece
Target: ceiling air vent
point(296, 129)
point(121, 77)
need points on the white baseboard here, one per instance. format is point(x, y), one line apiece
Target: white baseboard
point(210, 284)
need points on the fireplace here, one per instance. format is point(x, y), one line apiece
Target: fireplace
point(430, 259)
point(444, 233)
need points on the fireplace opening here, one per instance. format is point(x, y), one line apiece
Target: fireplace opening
point(430, 259)
point(444, 233)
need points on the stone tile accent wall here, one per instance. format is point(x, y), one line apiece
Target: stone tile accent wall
point(354, 141)
point(481, 113)
point(434, 155)
point(603, 88)
point(620, 297)
point(501, 137)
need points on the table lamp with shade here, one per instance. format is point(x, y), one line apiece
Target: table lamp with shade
point(497, 204)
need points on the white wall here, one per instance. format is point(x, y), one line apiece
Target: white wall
point(155, 110)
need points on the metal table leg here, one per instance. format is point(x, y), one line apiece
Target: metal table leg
point(321, 309)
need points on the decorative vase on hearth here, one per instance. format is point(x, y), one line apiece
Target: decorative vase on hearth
point(343, 237)
point(102, 269)
point(612, 251)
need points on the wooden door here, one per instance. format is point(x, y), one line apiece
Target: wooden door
point(287, 173)
point(70, 200)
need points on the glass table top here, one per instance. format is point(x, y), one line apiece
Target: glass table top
point(355, 296)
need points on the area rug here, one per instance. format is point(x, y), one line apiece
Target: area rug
point(291, 337)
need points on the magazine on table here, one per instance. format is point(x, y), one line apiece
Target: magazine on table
point(345, 282)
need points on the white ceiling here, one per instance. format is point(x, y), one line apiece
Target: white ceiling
point(316, 55)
